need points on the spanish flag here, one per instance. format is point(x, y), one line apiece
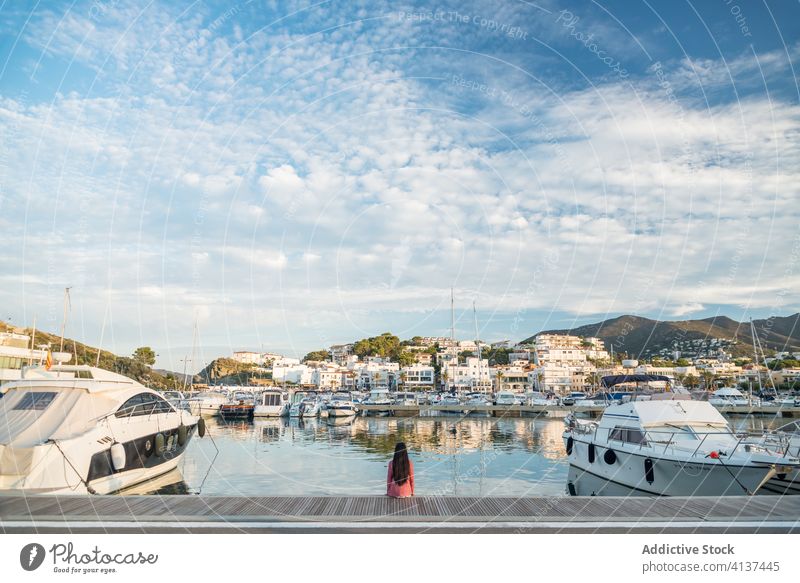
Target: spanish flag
point(48, 362)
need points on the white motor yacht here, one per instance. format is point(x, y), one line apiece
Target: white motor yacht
point(573, 397)
point(176, 399)
point(271, 404)
point(310, 408)
point(295, 406)
point(539, 399)
point(506, 398)
point(406, 399)
point(341, 405)
point(80, 429)
point(667, 447)
point(379, 396)
point(728, 396)
point(207, 404)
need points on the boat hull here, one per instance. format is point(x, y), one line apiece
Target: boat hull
point(628, 475)
point(341, 412)
point(269, 411)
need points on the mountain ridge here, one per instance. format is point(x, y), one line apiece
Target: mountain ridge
point(642, 337)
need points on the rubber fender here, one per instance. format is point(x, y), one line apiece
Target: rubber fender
point(648, 471)
point(160, 442)
point(183, 433)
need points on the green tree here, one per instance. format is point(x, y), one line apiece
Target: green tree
point(691, 381)
point(708, 379)
point(406, 358)
point(594, 380)
point(144, 355)
point(317, 355)
point(465, 354)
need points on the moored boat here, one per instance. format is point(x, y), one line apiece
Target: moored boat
point(80, 429)
point(271, 403)
point(240, 406)
point(669, 447)
point(341, 405)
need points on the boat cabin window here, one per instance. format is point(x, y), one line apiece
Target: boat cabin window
point(35, 401)
point(271, 399)
point(628, 435)
point(144, 404)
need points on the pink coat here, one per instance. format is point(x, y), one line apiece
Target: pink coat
point(400, 490)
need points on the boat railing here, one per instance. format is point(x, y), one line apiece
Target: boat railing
point(653, 437)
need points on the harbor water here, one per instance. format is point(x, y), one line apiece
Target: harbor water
point(466, 456)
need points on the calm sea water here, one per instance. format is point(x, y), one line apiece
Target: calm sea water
point(452, 456)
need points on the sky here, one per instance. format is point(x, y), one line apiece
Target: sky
point(291, 175)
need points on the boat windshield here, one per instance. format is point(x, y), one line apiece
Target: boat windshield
point(675, 432)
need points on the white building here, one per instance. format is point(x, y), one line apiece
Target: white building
point(376, 373)
point(559, 379)
point(559, 349)
point(340, 353)
point(471, 376)
point(511, 378)
point(297, 374)
point(15, 353)
point(247, 357)
point(418, 377)
point(327, 377)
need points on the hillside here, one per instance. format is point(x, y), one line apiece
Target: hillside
point(226, 371)
point(85, 354)
point(642, 337)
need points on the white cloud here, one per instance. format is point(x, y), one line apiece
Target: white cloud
point(280, 171)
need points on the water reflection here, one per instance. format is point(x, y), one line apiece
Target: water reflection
point(452, 456)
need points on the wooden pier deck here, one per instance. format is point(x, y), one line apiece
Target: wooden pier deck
point(271, 514)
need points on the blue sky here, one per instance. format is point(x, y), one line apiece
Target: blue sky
point(294, 174)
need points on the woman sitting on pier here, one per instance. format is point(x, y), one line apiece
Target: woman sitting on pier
point(400, 481)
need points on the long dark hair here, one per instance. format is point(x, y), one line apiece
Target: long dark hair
point(400, 464)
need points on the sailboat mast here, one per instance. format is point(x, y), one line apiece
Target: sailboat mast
point(452, 315)
point(478, 342)
point(757, 341)
point(64, 318)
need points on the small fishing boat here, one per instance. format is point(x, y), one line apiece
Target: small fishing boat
point(240, 406)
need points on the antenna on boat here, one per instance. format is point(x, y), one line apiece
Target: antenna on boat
point(67, 303)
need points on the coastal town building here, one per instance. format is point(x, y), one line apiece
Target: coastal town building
point(15, 353)
point(510, 378)
point(418, 377)
point(473, 375)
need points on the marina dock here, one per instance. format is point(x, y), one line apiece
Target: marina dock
point(553, 411)
point(364, 514)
